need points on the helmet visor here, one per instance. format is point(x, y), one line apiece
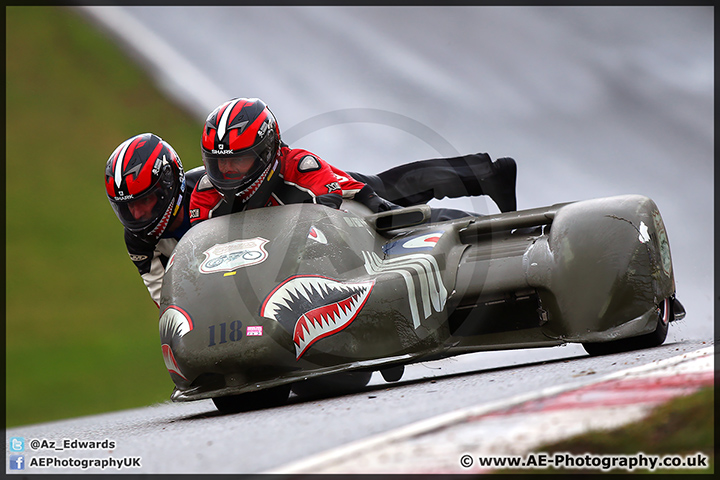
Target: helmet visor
point(144, 211)
point(235, 172)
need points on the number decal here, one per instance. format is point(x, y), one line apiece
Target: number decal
point(235, 333)
point(223, 334)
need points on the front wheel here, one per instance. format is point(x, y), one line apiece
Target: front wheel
point(270, 397)
point(649, 340)
point(332, 384)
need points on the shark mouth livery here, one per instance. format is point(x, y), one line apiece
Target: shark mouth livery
point(174, 322)
point(317, 307)
point(170, 362)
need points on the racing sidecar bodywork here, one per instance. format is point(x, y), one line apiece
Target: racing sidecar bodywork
point(269, 298)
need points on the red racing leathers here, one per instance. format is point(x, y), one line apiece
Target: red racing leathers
point(296, 176)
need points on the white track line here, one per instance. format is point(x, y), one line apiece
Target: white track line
point(173, 71)
point(698, 360)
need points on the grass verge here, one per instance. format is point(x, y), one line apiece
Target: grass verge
point(682, 427)
point(81, 330)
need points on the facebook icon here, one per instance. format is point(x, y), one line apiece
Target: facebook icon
point(17, 462)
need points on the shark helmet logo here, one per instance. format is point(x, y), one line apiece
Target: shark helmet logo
point(314, 307)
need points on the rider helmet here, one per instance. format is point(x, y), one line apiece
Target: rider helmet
point(145, 183)
point(240, 140)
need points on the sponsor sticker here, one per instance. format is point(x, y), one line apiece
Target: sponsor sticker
point(333, 187)
point(226, 257)
point(254, 331)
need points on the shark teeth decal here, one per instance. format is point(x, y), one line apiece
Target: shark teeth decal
point(174, 322)
point(317, 306)
point(170, 362)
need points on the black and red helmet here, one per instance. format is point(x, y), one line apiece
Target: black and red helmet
point(242, 131)
point(145, 184)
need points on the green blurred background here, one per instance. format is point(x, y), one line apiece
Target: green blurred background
point(81, 330)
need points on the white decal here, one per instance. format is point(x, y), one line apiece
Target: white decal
point(424, 241)
point(119, 161)
point(644, 237)
point(225, 118)
point(317, 235)
point(432, 289)
point(226, 257)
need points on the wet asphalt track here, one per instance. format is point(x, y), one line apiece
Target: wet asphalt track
point(195, 438)
point(591, 103)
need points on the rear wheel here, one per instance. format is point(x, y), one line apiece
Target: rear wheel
point(270, 397)
point(649, 340)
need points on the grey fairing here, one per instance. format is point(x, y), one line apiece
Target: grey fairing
point(586, 271)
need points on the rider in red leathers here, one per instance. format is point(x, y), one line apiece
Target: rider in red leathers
point(247, 166)
point(151, 194)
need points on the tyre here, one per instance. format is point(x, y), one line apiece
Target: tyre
point(649, 340)
point(270, 397)
point(333, 384)
point(393, 374)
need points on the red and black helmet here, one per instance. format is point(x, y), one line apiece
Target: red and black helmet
point(145, 184)
point(241, 132)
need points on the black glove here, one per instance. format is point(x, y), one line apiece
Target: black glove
point(332, 200)
point(370, 199)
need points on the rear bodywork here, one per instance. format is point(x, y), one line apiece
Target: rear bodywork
point(277, 295)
